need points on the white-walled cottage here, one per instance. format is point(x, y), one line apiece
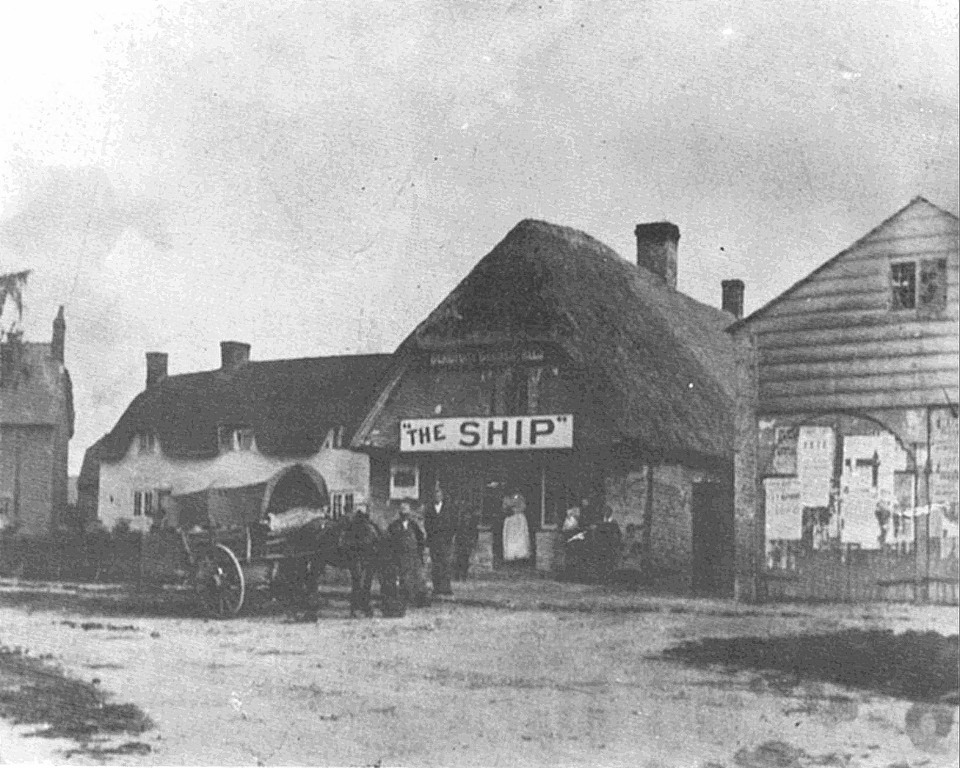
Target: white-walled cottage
point(246, 423)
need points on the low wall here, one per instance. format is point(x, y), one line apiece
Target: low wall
point(855, 575)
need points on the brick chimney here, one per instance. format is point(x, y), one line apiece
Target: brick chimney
point(58, 340)
point(732, 297)
point(233, 354)
point(156, 368)
point(657, 249)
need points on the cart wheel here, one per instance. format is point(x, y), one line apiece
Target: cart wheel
point(219, 582)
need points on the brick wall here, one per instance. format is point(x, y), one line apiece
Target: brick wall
point(748, 501)
point(26, 458)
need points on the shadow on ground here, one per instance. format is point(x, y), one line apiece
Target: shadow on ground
point(152, 602)
point(917, 666)
point(33, 691)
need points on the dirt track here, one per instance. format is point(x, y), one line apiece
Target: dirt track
point(510, 673)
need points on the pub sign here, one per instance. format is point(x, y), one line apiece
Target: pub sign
point(486, 433)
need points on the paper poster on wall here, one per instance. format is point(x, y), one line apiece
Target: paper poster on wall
point(944, 474)
point(860, 524)
point(785, 450)
point(815, 459)
point(784, 510)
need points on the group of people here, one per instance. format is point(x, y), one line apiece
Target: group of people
point(590, 546)
point(450, 538)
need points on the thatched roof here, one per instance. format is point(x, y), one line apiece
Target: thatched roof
point(41, 391)
point(664, 355)
point(290, 404)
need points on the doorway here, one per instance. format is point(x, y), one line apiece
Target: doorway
point(713, 539)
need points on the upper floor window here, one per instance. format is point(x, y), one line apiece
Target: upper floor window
point(147, 442)
point(235, 439)
point(334, 438)
point(511, 391)
point(920, 285)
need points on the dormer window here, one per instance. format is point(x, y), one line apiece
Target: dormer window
point(334, 438)
point(147, 442)
point(235, 439)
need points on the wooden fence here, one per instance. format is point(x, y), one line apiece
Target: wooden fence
point(922, 572)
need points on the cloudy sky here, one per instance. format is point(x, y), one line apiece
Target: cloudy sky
point(313, 177)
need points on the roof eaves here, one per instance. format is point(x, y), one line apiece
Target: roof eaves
point(811, 275)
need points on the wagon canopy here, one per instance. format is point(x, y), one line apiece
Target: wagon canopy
point(238, 506)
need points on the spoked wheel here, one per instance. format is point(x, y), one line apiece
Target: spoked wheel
point(219, 582)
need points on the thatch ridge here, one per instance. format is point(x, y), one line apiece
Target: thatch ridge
point(290, 404)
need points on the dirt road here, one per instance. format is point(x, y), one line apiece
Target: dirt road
point(509, 673)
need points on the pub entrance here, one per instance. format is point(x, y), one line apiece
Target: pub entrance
point(476, 486)
point(713, 539)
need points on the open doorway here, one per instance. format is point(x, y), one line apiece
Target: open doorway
point(713, 539)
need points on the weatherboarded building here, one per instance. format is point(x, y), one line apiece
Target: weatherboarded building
point(36, 424)
point(557, 370)
point(280, 426)
point(847, 428)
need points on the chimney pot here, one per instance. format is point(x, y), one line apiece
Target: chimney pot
point(732, 297)
point(156, 368)
point(233, 354)
point(657, 249)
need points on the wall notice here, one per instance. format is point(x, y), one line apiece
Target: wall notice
point(784, 511)
point(944, 470)
point(487, 433)
point(785, 450)
point(816, 448)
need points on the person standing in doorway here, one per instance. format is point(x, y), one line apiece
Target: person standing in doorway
point(440, 523)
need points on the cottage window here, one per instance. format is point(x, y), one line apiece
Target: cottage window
point(341, 504)
point(143, 504)
point(235, 439)
point(163, 502)
point(147, 442)
point(404, 481)
point(919, 285)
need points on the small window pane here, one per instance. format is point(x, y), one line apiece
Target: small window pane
point(225, 437)
point(903, 281)
point(933, 284)
point(244, 439)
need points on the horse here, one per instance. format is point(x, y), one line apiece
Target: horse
point(358, 545)
point(352, 543)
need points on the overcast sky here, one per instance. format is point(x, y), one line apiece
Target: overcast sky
point(313, 177)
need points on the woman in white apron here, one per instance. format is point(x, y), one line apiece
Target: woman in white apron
point(516, 532)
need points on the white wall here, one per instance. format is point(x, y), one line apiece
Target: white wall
point(343, 470)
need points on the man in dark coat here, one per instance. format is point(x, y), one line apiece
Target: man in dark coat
point(441, 524)
point(605, 541)
point(403, 581)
